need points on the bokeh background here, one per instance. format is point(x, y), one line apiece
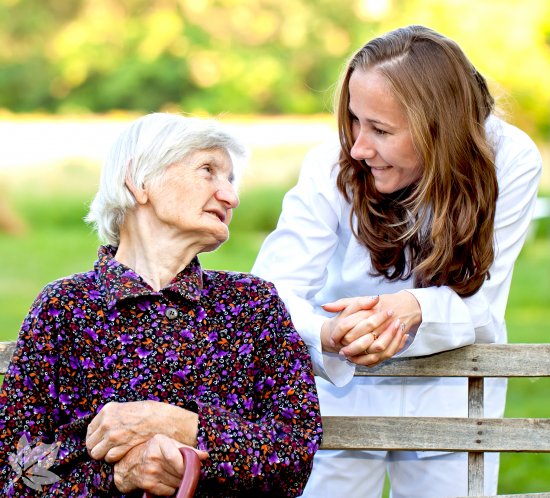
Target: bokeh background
point(73, 73)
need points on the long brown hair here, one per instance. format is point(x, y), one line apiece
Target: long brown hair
point(439, 230)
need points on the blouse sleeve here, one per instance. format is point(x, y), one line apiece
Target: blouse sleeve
point(270, 453)
point(29, 408)
point(296, 255)
point(449, 321)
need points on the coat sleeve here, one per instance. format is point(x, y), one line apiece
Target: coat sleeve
point(270, 453)
point(29, 409)
point(297, 254)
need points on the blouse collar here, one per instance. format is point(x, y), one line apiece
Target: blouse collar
point(119, 282)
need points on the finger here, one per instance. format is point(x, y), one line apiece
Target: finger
point(366, 342)
point(172, 456)
point(389, 338)
point(160, 489)
point(156, 469)
point(95, 432)
point(344, 325)
point(365, 302)
point(203, 455)
point(115, 453)
point(371, 323)
point(373, 359)
point(93, 436)
point(112, 447)
point(397, 342)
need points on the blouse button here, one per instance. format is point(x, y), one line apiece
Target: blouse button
point(171, 313)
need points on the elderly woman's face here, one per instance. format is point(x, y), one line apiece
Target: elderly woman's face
point(195, 197)
point(381, 132)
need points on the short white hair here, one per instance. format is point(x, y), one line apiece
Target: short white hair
point(142, 153)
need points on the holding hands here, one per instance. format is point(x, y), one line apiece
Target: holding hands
point(370, 330)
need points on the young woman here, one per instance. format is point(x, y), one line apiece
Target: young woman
point(401, 239)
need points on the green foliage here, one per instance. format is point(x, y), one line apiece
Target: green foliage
point(247, 56)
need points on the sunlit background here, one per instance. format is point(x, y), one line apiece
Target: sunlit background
point(73, 73)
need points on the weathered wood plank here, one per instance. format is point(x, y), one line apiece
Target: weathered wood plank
point(6, 352)
point(436, 434)
point(476, 468)
point(477, 360)
point(475, 397)
point(476, 473)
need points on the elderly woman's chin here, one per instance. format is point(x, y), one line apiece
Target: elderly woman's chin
point(216, 240)
point(213, 246)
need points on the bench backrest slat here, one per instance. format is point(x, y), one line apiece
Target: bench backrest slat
point(436, 434)
point(477, 360)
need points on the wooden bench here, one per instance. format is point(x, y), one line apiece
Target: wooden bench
point(474, 434)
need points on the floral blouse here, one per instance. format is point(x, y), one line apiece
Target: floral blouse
point(218, 343)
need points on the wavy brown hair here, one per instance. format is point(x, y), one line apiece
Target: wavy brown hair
point(439, 230)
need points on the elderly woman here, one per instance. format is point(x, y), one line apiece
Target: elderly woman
point(118, 367)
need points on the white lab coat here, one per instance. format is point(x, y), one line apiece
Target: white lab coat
point(313, 258)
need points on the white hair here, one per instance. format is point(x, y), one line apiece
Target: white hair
point(142, 153)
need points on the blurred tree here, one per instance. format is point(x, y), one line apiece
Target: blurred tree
point(244, 56)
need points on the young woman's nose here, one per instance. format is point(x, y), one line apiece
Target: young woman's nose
point(362, 147)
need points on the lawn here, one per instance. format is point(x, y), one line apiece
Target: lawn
point(57, 242)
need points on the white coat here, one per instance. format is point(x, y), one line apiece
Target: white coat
point(313, 258)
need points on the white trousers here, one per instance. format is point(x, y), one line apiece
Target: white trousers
point(360, 474)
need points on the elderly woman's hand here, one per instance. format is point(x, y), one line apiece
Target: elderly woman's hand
point(155, 466)
point(119, 427)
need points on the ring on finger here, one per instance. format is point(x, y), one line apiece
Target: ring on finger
point(374, 336)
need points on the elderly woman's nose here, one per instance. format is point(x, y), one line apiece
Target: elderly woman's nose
point(228, 195)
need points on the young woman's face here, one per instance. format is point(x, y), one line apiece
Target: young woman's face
point(382, 138)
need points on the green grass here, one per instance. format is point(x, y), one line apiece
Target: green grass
point(528, 320)
point(58, 243)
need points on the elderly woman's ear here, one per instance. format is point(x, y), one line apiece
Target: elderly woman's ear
point(139, 193)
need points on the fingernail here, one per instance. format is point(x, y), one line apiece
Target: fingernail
point(403, 326)
point(390, 312)
point(342, 354)
point(374, 297)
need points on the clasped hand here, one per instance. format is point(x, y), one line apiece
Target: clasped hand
point(142, 439)
point(370, 330)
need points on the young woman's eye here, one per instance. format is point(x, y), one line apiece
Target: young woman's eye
point(378, 131)
point(207, 168)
